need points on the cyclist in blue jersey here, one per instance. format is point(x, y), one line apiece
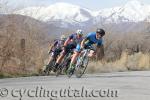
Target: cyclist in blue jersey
point(93, 38)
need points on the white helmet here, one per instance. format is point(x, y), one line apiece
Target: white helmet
point(80, 32)
point(62, 37)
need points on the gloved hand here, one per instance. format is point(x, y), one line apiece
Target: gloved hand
point(82, 47)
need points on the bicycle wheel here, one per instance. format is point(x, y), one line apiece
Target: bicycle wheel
point(70, 72)
point(81, 66)
point(59, 69)
point(64, 65)
point(48, 68)
point(45, 70)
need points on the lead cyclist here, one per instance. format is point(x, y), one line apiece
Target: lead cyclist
point(93, 38)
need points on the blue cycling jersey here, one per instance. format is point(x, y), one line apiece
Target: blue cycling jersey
point(91, 39)
point(75, 39)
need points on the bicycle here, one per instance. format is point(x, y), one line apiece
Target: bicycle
point(48, 68)
point(81, 64)
point(63, 67)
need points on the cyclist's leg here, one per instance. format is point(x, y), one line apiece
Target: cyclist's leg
point(57, 52)
point(75, 55)
point(60, 58)
point(50, 58)
point(53, 56)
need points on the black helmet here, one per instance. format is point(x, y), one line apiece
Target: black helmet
point(100, 31)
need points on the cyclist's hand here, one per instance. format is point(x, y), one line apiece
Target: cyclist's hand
point(82, 47)
point(94, 53)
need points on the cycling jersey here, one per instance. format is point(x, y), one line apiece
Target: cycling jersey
point(57, 48)
point(74, 43)
point(58, 44)
point(91, 39)
point(75, 39)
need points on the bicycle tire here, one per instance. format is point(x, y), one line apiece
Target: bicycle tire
point(49, 68)
point(78, 67)
point(64, 66)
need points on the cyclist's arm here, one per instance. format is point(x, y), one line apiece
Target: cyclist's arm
point(85, 39)
point(83, 42)
point(68, 40)
point(53, 45)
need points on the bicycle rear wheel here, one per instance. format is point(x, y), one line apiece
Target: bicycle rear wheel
point(59, 70)
point(64, 66)
point(48, 68)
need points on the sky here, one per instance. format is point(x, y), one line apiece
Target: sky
point(90, 4)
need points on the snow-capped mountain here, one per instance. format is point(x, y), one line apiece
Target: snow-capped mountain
point(59, 11)
point(66, 15)
point(133, 11)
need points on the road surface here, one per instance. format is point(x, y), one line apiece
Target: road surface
point(102, 86)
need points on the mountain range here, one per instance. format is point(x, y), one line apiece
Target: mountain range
point(134, 16)
point(133, 10)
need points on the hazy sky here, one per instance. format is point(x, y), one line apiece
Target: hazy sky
point(90, 4)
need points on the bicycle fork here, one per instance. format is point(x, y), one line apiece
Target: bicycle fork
point(80, 59)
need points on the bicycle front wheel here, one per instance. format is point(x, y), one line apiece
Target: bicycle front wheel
point(81, 66)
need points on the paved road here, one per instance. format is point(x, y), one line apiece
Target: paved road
point(103, 86)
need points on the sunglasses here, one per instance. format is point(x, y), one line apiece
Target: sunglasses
point(100, 34)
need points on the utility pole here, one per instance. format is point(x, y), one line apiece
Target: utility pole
point(22, 45)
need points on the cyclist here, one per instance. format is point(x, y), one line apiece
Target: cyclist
point(93, 38)
point(56, 48)
point(88, 41)
point(71, 43)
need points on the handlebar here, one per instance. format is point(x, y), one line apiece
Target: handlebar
point(90, 48)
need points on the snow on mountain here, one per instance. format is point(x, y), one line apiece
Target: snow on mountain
point(68, 14)
point(58, 11)
point(133, 11)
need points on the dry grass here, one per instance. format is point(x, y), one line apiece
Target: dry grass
point(138, 61)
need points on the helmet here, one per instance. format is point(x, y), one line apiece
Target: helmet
point(100, 31)
point(80, 32)
point(62, 37)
